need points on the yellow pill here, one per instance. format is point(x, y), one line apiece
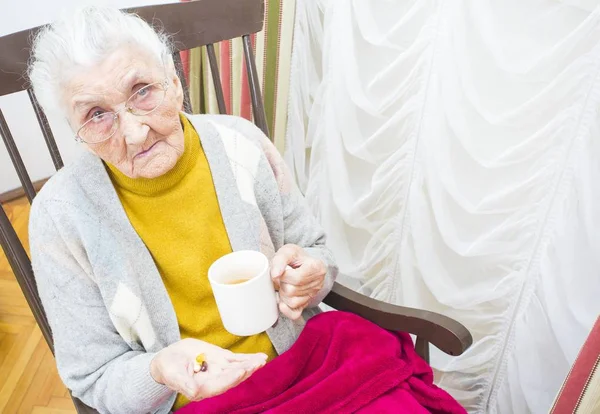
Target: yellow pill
point(200, 359)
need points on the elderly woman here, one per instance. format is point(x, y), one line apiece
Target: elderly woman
point(121, 239)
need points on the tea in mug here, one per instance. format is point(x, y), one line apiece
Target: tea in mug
point(237, 281)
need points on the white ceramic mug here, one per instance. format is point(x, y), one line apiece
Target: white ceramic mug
point(249, 307)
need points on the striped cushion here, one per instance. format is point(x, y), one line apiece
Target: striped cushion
point(272, 50)
point(580, 392)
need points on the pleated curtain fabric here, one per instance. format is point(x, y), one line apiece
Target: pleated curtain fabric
point(272, 49)
point(451, 149)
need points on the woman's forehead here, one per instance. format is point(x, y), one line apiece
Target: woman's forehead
point(115, 74)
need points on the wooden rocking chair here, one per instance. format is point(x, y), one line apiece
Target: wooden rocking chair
point(194, 24)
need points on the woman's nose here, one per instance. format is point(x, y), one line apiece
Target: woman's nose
point(133, 130)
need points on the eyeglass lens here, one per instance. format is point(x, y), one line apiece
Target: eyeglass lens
point(142, 102)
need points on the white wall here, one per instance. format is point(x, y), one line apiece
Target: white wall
point(20, 15)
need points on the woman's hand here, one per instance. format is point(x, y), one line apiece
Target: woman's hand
point(173, 366)
point(298, 283)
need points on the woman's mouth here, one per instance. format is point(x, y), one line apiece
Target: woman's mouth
point(142, 154)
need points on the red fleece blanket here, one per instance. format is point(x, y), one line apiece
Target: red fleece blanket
point(341, 363)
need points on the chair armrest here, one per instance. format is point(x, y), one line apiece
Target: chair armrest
point(445, 333)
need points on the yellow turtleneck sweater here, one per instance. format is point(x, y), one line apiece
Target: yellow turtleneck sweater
point(178, 218)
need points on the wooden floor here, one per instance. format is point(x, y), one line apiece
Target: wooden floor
point(29, 382)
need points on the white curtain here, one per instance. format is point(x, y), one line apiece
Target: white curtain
point(451, 149)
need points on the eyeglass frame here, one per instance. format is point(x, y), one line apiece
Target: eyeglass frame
point(165, 83)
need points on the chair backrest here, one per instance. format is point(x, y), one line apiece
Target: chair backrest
point(191, 24)
point(580, 391)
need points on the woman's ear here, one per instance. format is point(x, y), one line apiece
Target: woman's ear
point(178, 89)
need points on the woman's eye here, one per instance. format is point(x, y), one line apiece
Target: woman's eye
point(94, 113)
point(141, 89)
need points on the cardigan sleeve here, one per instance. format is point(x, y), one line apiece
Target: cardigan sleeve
point(300, 226)
point(93, 360)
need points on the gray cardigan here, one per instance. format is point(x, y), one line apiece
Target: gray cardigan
point(107, 306)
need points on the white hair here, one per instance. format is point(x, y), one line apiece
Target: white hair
point(80, 40)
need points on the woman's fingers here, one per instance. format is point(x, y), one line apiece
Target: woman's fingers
point(295, 302)
point(287, 255)
point(298, 284)
point(288, 312)
point(246, 376)
point(300, 276)
point(212, 385)
point(174, 367)
point(220, 380)
point(187, 386)
point(305, 290)
point(251, 370)
point(239, 357)
point(251, 364)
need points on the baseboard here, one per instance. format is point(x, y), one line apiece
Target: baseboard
point(20, 192)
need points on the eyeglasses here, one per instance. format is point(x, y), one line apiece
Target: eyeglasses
point(103, 126)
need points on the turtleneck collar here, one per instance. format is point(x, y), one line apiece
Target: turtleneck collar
point(157, 185)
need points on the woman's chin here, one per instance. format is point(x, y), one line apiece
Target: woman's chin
point(155, 169)
point(158, 165)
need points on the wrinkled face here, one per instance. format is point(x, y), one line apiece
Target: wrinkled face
point(143, 146)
